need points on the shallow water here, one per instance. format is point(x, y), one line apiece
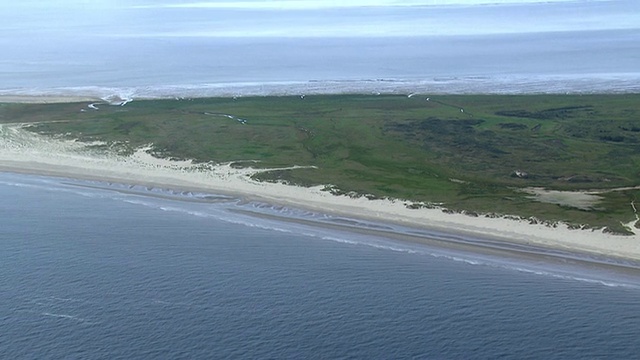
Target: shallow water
point(97, 273)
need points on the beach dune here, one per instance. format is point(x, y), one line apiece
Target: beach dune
point(26, 152)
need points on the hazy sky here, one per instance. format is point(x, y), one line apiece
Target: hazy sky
point(312, 18)
point(318, 4)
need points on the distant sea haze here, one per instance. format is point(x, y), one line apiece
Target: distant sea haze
point(165, 48)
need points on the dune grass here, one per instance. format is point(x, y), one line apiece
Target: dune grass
point(470, 152)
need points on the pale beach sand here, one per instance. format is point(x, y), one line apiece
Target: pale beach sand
point(44, 99)
point(26, 152)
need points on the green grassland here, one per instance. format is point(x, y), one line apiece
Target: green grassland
point(461, 150)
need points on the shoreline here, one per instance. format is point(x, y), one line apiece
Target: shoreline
point(45, 99)
point(29, 153)
point(438, 239)
point(516, 84)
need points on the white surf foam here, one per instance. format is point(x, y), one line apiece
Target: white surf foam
point(514, 84)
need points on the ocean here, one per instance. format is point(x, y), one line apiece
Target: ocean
point(93, 270)
point(163, 49)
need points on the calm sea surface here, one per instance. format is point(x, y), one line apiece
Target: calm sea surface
point(109, 271)
point(169, 48)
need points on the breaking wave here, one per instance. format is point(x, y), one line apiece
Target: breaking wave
point(560, 84)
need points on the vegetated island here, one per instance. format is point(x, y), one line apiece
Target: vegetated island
point(561, 171)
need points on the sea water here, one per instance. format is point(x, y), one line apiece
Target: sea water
point(144, 49)
point(96, 270)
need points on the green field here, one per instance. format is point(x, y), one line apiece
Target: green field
point(464, 151)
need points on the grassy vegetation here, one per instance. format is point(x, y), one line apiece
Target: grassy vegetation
point(469, 152)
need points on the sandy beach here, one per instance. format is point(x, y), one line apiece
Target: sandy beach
point(44, 99)
point(25, 152)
